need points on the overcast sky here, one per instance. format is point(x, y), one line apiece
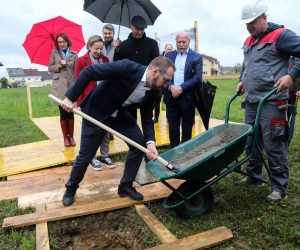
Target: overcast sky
point(220, 33)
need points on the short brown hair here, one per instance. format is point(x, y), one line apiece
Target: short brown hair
point(93, 39)
point(109, 27)
point(163, 63)
point(63, 36)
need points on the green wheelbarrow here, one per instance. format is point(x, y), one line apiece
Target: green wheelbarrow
point(204, 160)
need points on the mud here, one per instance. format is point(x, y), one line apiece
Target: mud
point(183, 160)
point(121, 229)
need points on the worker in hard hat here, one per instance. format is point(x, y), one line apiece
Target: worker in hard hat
point(266, 59)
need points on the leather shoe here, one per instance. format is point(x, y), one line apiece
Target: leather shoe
point(68, 198)
point(129, 191)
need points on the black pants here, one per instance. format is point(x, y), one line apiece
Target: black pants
point(64, 115)
point(179, 111)
point(91, 138)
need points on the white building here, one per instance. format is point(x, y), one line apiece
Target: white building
point(19, 77)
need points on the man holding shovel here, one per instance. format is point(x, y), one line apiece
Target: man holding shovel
point(125, 84)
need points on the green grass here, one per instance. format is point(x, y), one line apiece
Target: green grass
point(15, 126)
point(255, 223)
point(225, 90)
point(15, 239)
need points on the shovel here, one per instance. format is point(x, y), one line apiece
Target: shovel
point(110, 130)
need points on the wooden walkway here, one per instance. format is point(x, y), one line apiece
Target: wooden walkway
point(48, 153)
point(43, 189)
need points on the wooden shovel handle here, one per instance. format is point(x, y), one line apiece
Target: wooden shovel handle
point(114, 132)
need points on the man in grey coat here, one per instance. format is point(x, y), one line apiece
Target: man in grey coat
point(266, 60)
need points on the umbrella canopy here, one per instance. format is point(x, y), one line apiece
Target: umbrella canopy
point(1, 64)
point(205, 93)
point(121, 12)
point(40, 40)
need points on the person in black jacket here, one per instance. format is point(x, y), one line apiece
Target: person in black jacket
point(138, 47)
point(124, 84)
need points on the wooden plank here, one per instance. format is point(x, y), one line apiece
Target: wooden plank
point(221, 77)
point(29, 157)
point(155, 225)
point(13, 189)
point(62, 170)
point(198, 241)
point(42, 239)
point(156, 192)
point(29, 101)
point(49, 153)
point(100, 189)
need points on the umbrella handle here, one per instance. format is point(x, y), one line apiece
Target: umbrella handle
point(114, 132)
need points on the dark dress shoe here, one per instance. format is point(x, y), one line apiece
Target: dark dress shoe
point(111, 137)
point(129, 191)
point(68, 198)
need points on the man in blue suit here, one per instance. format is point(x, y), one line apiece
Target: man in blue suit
point(180, 96)
point(125, 84)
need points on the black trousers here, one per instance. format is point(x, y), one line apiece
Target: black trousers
point(91, 138)
point(64, 115)
point(180, 112)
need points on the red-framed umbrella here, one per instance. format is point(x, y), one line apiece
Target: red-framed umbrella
point(40, 40)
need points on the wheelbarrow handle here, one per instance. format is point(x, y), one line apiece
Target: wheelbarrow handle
point(285, 106)
point(114, 132)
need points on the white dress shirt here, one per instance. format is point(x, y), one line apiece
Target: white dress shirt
point(180, 61)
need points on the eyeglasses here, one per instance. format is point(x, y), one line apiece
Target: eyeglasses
point(61, 42)
point(165, 77)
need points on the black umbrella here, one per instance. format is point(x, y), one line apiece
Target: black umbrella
point(121, 12)
point(205, 93)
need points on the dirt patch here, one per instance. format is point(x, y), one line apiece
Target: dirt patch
point(121, 229)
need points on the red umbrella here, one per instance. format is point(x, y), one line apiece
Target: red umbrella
point(40, 40)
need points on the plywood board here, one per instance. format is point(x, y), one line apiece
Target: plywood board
point(29, 157)
point(198, 241)
point(102, 189)
point(13, 189)
point(155, 192)
point(39, 155)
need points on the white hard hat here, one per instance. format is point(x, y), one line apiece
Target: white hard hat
point(253, 10)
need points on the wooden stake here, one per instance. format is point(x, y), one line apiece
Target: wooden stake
point(155, 225)
point(42, 239)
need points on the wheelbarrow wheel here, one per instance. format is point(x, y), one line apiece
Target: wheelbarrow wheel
point(199, 204)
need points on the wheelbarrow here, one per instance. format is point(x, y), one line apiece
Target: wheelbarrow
point(204, 160)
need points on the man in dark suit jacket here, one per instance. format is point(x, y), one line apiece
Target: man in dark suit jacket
point(180, 96)
point(138, 47)
point(125, 84)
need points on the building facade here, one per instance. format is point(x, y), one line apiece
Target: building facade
point(19, 77)
point(211, 66)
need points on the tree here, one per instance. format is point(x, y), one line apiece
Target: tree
point(237, 68)
point(4, 82)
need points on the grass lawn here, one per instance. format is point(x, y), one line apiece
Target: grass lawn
point(255, 223)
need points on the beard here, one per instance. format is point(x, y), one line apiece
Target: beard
point(107, 43)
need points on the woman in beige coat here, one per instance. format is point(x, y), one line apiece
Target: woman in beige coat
point(62, 65)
